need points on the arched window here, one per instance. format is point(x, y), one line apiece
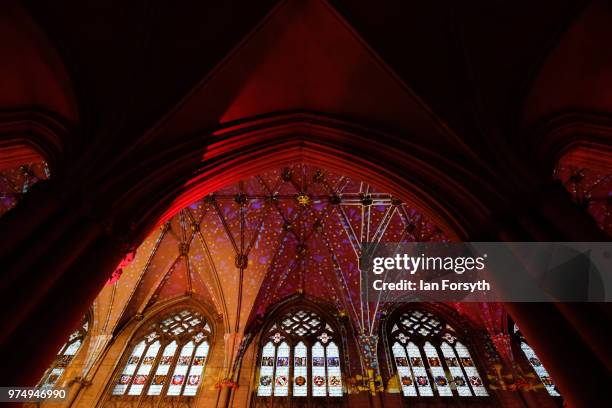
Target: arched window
point(300, 357)
point(15, 182)
point(535, 363)
point(430, 359)
point(167, 359)
point(64, 356)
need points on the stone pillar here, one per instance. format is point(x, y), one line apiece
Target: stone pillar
point(564, 348)
point(63, 281)
point(575, 224)
point(368, 348)
point(224, 396)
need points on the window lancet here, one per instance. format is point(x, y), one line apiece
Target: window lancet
point(419, 339)
point(168, 359)
point(64, 356)
point(300, 358)
point(536, 364)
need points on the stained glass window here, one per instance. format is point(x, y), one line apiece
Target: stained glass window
point(142, 374)
point(266, 372)
point(437, 371)
point(334, 377)
point(403, 370)
point(64, 357)
point(470, 370)
point(587, 176)
point(168, 359)
point(418, 368)
point(281, 376)
point(300, 370)
point(318, 370)
point(456, 373)
point(125, 379)
point(537, 365)
point(287, 363)
point(419, 341)
point(16, 182)
point(180, 369)
point(540, 370)
point(197, 369)
point(157, 383)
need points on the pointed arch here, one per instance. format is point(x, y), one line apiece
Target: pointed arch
point(430, 357)
point(300, 355)
point(534, 361)
point(166, 357)
point(65, 355)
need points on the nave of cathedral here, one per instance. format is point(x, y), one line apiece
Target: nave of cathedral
point(186, 192)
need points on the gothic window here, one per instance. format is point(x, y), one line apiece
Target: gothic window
point(300, 357)
point(64, 356)
point(535, 363)
point(430, 359)
point(587, 176)
point(15, 182)
point(167, 359)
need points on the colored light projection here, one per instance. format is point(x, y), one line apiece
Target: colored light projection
point(278, 364)
point(183, 339)
point(535, 363)
point(64, 357)
point(294, 230)
point(420, 369)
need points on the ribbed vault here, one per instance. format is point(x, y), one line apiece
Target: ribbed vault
point(295, 230)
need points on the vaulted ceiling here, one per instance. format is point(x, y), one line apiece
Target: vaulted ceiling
point(119, 88)
point(468, 81)
point(292, 231)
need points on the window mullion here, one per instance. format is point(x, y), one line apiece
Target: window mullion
point(290, 375)
point(428, 373)
point(419, 370)
point(467, 378)
point(195, 347)
point(326, 375)
point(309, 376)
point(140, 360)
point(274, 375)
point(152, 371)
point(171, 368)
point(414, 376)
point(447, 373)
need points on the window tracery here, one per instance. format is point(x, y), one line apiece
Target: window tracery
point(167, 359)
point(535, 363)
point(64, 356)
point(300, 357)
point(430, 360)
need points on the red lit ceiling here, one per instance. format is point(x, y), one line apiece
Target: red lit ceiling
point(290, 231)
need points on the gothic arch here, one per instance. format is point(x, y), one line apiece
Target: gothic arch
point(301, 331)
point(442, 338)
point(528, 362)
point(128, 339)
point(560, 134)
point(341, 322)
point(208, 162)
point(73, 351)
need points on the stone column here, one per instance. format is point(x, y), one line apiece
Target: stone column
point(63, 282)
point(569, 338)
